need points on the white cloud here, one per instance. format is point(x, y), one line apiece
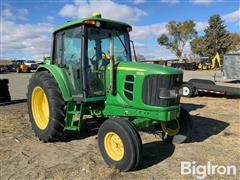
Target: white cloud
point(14, 14)
point(7, 13)
point(170, 2)
point(147, 31)
point(138, 1)
point(21, 14)
point(232, 17)
point(204, 2)
point(200, 26)
point(50, 19)
point(153, 51)
point(155, 30)
point(157, 52)
point(108, 9)
point(28, 39)
point(142, 34)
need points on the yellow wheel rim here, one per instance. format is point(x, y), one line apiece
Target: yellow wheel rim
point(114, 146)
point(40, 107)
point(171, 131)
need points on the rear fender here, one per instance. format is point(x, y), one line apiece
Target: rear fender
point(61, 79)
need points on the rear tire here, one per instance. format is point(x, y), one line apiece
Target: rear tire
point(125, 154)
point(185, 131)
point(47, 119)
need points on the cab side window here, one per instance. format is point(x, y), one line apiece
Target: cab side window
point(58, 49)
point(68, 47)
point(72, 47)
point(67, 53)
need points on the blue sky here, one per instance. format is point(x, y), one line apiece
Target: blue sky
point(26, 25)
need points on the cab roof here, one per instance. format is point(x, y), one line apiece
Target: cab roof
point(81, 21)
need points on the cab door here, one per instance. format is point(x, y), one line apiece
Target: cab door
point(95, 73)
point(68, 57)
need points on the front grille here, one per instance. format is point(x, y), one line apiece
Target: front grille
point(153, 84)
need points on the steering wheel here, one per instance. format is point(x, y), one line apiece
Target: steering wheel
point(94, 62)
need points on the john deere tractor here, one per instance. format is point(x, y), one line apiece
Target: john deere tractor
point(92, 73)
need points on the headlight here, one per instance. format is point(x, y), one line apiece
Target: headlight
point(169, 93)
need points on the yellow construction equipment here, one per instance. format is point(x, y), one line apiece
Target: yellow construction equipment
point(23, 68)
point(213, 64)
point(204, 65)
point(216, 63)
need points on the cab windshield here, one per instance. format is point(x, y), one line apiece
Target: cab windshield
point(98, 44)
point(98, 56)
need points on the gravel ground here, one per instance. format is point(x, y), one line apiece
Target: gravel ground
point(216, 138)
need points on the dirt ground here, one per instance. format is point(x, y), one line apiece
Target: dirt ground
point(216, 138)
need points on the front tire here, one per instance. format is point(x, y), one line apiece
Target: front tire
point(119, 144)
point(45, 107)
point(181, 132)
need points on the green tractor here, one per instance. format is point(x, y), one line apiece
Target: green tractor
point(92, 73)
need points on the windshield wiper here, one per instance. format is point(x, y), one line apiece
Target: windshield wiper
point(122, 43)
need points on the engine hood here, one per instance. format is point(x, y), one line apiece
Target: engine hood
point(145, 68)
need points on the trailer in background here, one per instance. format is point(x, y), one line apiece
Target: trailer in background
point(196, 86)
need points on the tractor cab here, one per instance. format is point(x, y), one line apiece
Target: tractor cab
point(82, 48)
